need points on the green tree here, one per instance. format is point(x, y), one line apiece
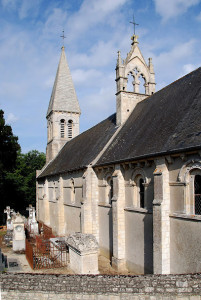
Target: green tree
point(8, 154)
point(23, 180)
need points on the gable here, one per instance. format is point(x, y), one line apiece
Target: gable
point(165, 122)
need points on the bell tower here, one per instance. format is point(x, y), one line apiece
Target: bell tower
point(133, 66)
point(63, 113)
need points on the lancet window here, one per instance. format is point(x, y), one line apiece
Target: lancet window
point(70, 129)
point(62, 128)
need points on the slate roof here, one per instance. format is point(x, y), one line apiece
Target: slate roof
point(83, 149)
point(168, 121)
point(63, 97)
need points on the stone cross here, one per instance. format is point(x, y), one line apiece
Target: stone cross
point(30, 209)
point(8, 211)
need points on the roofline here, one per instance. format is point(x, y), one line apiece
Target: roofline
point(62, 172)
point(152, 155)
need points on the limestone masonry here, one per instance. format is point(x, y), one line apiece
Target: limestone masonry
point(133, 181)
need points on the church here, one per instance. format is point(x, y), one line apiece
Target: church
point(134, 179)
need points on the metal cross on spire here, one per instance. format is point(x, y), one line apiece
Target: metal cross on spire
point(63, 37)
point(134, 24)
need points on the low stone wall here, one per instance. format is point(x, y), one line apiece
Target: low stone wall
point(99, 287)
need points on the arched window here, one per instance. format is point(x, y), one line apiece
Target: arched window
point(141, 192)
point(62, 128)
point(197, 194)
point(141, 84)
point(70, 129)
point(130, 86)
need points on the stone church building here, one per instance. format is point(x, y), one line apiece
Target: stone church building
point(134, 179)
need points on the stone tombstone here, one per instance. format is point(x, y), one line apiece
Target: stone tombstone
point(18, 233)
point(9, 222)
point(32, 223)
point(83, 253)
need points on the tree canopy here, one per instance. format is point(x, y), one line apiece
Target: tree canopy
point(17, 171)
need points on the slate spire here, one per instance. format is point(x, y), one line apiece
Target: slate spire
point(63, 97)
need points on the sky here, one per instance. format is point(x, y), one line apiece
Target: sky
point(30, 48)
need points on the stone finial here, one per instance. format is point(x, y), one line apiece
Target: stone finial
point(151, 67)
point(119, 60)
point(82, 242)
point(134, 39)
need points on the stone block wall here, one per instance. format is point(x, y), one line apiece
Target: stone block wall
point(99, 287)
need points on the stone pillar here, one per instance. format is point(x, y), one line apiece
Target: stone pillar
point(118, 216)
point(46, 206)
point(86, 207)
point(161, 220)
point(61, 221)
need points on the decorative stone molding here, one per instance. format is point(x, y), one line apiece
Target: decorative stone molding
point(187, 168)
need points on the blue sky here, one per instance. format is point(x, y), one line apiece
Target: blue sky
point(30, 46)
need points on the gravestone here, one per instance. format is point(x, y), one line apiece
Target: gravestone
point(9, 222)
point(18, 233)
point(32, 223)
point(83, 253)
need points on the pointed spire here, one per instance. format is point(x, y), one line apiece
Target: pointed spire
point(63, 97)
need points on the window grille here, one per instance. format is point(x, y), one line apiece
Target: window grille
point(141, 191)
point(70, 129)
point(62, 128)
point(197, 190)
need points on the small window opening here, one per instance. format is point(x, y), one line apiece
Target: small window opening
point(142, 83)
point(197, 190)
point(141, 191)
point(130, 87)
point(62, 128)
point(70, 129)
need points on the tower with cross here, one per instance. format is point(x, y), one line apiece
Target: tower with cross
point(135, 79)
point(63, 113)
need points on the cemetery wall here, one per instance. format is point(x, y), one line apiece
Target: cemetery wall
point(99, 287)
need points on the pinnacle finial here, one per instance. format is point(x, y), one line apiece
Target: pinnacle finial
point(119, 58)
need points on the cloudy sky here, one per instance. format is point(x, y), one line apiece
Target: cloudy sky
point(30, 46)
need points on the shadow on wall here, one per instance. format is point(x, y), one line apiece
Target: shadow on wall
point(148, 244)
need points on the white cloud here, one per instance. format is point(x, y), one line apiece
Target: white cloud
point(168, 9)
point(11, 118)
point(93, 12)
point(24, 8)
point(199, 17)
point(86, 77)
point(54, 23)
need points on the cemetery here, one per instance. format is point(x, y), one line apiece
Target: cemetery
point(73, 254)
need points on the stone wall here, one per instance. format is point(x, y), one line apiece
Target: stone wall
point(99, 287)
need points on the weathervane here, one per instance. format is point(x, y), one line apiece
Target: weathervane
point(134, 24)
point(63, 37)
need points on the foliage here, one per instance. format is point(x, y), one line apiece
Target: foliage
point(23, 179)
point(8, 154)
point(17, 171)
